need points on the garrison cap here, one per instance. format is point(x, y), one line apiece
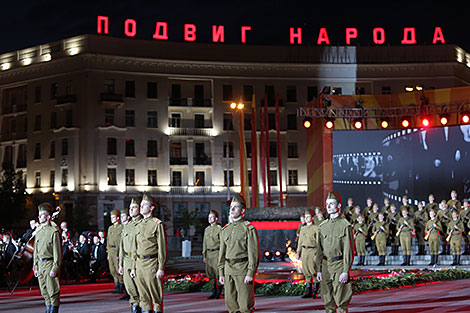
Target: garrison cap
point(453, 191)
point(350, 198)
point(387, 198)
point(369, 198)
point(238, 199)
point(115, 212)
point(46, 206)
point(135, 200)
point(431, 195)
point(335, 196)
point(214, 212)
point(149, 198)
point(125, 211)
point(405, 197)
point(309, 212)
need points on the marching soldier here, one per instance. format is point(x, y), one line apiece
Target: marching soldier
point(454, 236)
point(349, 210)
point(149, 264)
point(406, 228)
point(386, 208)
point(210, 252)
point(421, 219)
point(127, 253)
point(465, 217)
point(453, 203)
point(319, 217)
point(335, 257)
point(431, 204)
point(392, 220)
point(443, 216)
point(238, 259)
point(433, 228)
point(356, 214)
point(302, 224)
point(307, 250)
point(360, 234)
point(114, 240)
point(408, 207)
point(47, 257)
point(380, 234)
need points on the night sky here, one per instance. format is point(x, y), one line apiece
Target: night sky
point(28, 23)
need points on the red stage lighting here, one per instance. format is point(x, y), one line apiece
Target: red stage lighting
point(329, 124)
point(277, 253)
point(444, 120)
point(267, 254)
point(465, 118)
point(405, 123)
point(307, 122)
point(357, 124)
point(384, 124)
point(425, 122)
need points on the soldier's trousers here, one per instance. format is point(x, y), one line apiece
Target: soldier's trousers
point(405, 242)
point(211, 266)
point(360, 245)
point(49, 287)
point(129, 282)
point(114, 266)
point(335, 295)
point(456, 245)
point(150, 288)
point(433, 245)
point(239, 297)
point(308, 264)
point(420, 236)
point(381, 245)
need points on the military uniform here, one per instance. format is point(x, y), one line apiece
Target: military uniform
point(392, 220)
point(421, 218)
point(210, 251)
point(47, 255)
point(335, 256)
point(385, 210)
point(409, 208)
point(405, 237)
point(114, 240)
point(465, 217)
point(431, 206)
point(348, 212)
point(456, 228)
point(239, 257)
point(360, 234)
point(454, 204)
point(380, 230)
point(444, 218)
point(432, 230)
point(317, 221)
point(307, 250)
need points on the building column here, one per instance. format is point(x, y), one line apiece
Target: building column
point(190, 154)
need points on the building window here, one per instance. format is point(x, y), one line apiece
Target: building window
point(54, 88)
point(65, 177)
point(386, 90)
point(152, 90)
point(112, 146)
point(152, 121)
point(130, 177)
point(360, 90)
point(152, 177)
point(130, 118)
point(291, 121)
point(8, 155)
point(68, 118)
point(248, 149)
point(293, 178)
point(37, 122)
point(292, 150)
point(175, 120)
point(130, 89)
point(200, 179)
point(247, 93)
point(68, 87)
point(130, 151)
point(37, 182)
point(37, 151)
point(65, 146)
point(52, 178)
point(25, 125)
point(13, 126)
point(109, 117)
point(273, 177)
point(271, 121)
point(312, 92)
point(228, 121)
point(230, 176)
point(269, 91)
point(291, 94)
point(198, 120)
point(249, 178)
point(109, 86)
point(227, 93)
point(337, 91)
point(53, 120)
point(152, 150)
point(37, 94)
point(202, 210)
point(273, 149)
point(230, 149)
point(21, 159)
point(112, 177)
point(247, 122)
point(198, 95)
point(52, 151)
point(176, 178)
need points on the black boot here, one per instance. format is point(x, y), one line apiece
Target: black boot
point(405, 261)
point(214, 292)
point(421, 250)
point(54, 309)
point(432, 260)
point(409, 260)
point(395, 250)
point(458, 260)
point(382, 260)
point(448, 249)
point(116, 289)
point(125, 296)
point(436, 259)
point(454, 260)
point(308, 291)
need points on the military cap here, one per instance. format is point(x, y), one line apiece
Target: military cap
point(404, 208)
point(431, 195)
point(387, 198)
point(309, 212)
point(46, 207)
point(238, 199)
point(214, 212)
point(335, 196)
point(405, 197)
point(369, 198)
point(135, 201)
point(125, 211)
point(115, 212)
point(393, 205)
point(149, 198)
point(453, 191)
point(350, 198)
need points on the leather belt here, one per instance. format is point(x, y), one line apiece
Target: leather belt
point(235, 261)
point(112, 246)
point(333, 259)
point(211, 250)
point(45, 259)
point(308, 247)
point(147, 257)
point(128, 254)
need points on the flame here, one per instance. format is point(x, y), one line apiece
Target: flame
point(296, 262)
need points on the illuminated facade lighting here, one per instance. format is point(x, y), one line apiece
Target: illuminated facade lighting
point(405, 123)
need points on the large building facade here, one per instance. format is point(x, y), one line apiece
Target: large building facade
point(97, 120)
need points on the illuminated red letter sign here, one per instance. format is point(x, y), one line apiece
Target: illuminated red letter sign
point(375, 32)
point(133, 26)
point(350, 34)
point(323, 37)
point(296, 35)
point(101, 19)
point(244, 30)
point(189, 32)
point(409, 36)
point(217, 33)
point(163, 27)
point(438, 36)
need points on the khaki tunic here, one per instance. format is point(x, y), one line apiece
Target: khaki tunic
point(114, 240)
point(239, 257)
point(381, 238)
point(410, 209)
point(150, 241)
point(385, 210)
point(127, 255)
point(465, 217)
point(367, 210)
point(317, 221)
point(348, 212)
point(421, 218)
point(210, 251)
point(456, 227)
point(431, 206)
point(454, 204)
point(444, 216)
point(405, 234)
point(392, 219)
point(360, 235)
point(433, 239)
point(307, 250)
point(335, 256)
point(47, 257)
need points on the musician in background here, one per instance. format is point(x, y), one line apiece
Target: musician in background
point(406, 228)
point(9, 248)
point(444, 216)
point(454, 203)
point(66, 237)
point(432, 230)
point(29, 233)
point(98, 257)
point(421, 218)
point(454, 236)
point(83, 249)
point(349, 210)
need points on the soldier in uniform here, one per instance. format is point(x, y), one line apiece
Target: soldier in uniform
point(307, 250)
point(406, 228)
point(127, 253)
point(431, 204)
point(302, 224)
point(421, 218)
point(433, 229)
point(47, 257)
point(238, 259)
point(335, 257)
point(392, 219)
point(444, 217)
point(380, 232)
point(210, 252)
point(114, 240)
point(465, 217)
point(356, 214)
point(319, 217)
point(349, 210)
point(454, 236)
point(453, 203)
point(371, 219)
point(386, 208)
point(368, 209)
point(408, 207)
point(360, 234)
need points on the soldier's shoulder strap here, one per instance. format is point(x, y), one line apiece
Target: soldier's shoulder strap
point(218, 226)
point(226, 225)
point(156, 220)
point(248, 225)
point(322, 223)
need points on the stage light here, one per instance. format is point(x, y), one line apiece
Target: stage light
point(444, 120)
point(425, 122)
point(289, 249)
point(419, 88)
point(357, 124)
point(330, 123)
point(267, 254)
point(240, 106)
point(409, 89)
point(277, 253)
point(233, 105)
point(307, 122)
point(384, 124)
point(405, 123)
point(465, 118)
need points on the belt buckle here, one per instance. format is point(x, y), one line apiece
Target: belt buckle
point(233, 262)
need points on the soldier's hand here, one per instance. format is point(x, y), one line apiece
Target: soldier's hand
point(204, 260)
point(343, 278)
point(121, 270)
point(319, 277)
point(222, 280)
point(132, 273)
point(160, 274)
point(52, 274)
point(36, 273)
point(248, 280)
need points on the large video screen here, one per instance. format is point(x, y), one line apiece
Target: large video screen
point(413, 162)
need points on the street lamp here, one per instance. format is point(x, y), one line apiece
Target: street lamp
point(234, 107)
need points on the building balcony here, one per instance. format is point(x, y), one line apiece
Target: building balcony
point(111, 100)
point(66, 100)
point(188, 127)
point(178, 161)
point(14, 136)
point(191, 102)
point(202, 161)
point(185, 190)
